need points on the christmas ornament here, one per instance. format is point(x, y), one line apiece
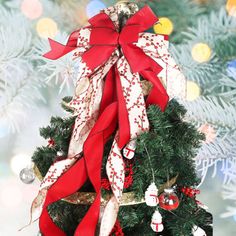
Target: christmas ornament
point(164, 26)
point(46, 28)
point(27, 175)
point(231, 7)
point(193, 91)
point(201, 52)
point(197, 231)
point(114, 105)
point(94, 7)
point(169, 200)
point(209, 132)
point(156, 223)
point(32, 9)
point(151, 195)
point(231, 69)
point(129, 150)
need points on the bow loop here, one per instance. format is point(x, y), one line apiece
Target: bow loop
point(145, 18)
point(102, 20)
point(129, 34)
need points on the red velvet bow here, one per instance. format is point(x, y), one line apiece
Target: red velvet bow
point(102, 25)
point(102, 48)
point(104, 41)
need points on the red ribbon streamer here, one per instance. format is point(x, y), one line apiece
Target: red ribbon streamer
point(104, 40)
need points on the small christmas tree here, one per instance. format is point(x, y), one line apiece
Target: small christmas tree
point(165, 153)
point(122, 163)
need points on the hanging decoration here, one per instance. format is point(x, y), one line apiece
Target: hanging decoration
point(27, 175)
point(151, 195)
point(169, 200)
point(156, 223)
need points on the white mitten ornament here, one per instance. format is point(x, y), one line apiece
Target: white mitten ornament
point(151, 195)
point(156, 223)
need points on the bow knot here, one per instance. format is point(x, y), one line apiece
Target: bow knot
point(110, 37)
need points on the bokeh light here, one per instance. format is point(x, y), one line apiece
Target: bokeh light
point(231, 69)
point(164, 26)
point(46, 28)
point(201, 52)
point(209, 132)
point(193, 91)
point(234, 217)
point(231, 7)
point(94, 7)
point(4, 127)
point(32, 9)
point(11, 195)
point(18, 162)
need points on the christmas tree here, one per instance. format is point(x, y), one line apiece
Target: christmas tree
point(123, 162)
point(202, 36)
point(164, 155)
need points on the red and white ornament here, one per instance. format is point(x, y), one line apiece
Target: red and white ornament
point(129, 150)
point(169, 200)
point(151, 195)
point(156, 223)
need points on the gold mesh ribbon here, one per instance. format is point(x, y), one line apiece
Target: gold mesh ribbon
point(128, 199)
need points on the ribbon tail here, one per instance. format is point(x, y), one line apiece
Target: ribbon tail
point(66, 185)
point(158, 94)
point(93, 153)
point(58, 50)
point(109, 217)
point(124, 126)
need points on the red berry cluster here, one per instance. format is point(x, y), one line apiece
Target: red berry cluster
point(190, 192)
point(128, 178)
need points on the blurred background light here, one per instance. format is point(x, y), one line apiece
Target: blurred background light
point(209, 132)
point(4, 127)
point(94, 7)
point(46, 28)
point(164, 26)
point(231, 69)
point(231, 7)
point(11, 195)
point(32, 9)
point(193, 91)
point(201, 52)
point(19, 162)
